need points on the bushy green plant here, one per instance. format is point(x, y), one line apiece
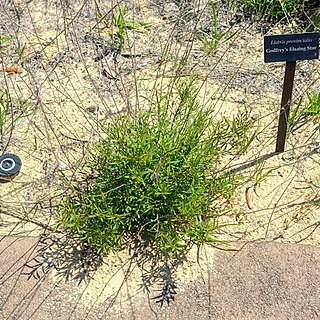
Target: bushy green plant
point(155, 176)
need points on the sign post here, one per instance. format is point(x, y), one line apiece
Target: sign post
point(285, 105)
point(289, 48)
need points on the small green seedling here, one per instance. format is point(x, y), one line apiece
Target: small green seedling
point(120, 25)
point(261, 173)
point(316, 203)
point(3, 41)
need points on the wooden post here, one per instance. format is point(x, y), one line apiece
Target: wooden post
point(285, 105)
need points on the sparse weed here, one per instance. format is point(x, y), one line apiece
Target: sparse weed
point(6, 115)
point(117, 30)
point(10, 113)
point(261, 173)
point(301, 116)
point(210, 40)
point(273, 10)
point(4, 39)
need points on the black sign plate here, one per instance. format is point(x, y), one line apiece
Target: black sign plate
point(291, 47)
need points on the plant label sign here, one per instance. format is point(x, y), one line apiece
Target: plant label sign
point(291, 47)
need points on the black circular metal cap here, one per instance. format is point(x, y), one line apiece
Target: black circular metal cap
point(10, 165)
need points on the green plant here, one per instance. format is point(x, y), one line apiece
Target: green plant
point(211, 40)
point(6, 116)
point(154, 178)
point(20, 50)
point(10, 112)
point(120, 24)
point(272, 10)
point(4, 39)
point(260, 174)
point(299, 117)
point(316, 203)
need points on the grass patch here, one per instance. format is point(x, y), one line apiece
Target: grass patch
point(273, 10)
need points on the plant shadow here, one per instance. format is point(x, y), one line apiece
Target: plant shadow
point(73, 260)
point(67, 255)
